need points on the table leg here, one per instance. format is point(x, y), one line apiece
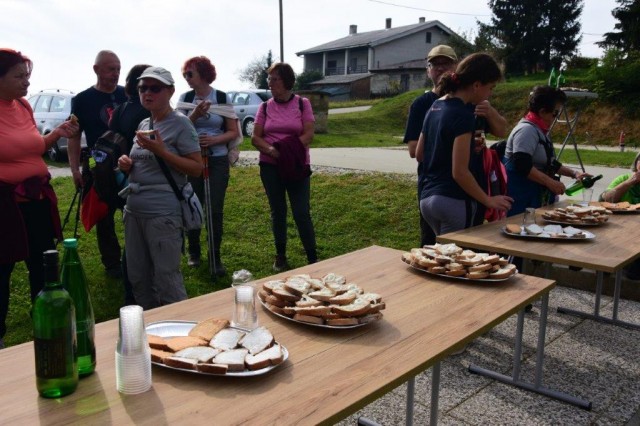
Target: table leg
point(435, 393)
point(517, 350)
point(537, 386)
point(411, 389)
point(596, 314)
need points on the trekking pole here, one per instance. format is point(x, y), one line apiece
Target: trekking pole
point(80, 198)
point(207, 201)
point(66, 218)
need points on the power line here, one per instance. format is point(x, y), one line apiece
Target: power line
point(427, 10)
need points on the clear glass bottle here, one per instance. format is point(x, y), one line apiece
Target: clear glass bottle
point(54, 335)
point(75, 282)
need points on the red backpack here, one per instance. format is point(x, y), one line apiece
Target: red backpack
point(496, 176)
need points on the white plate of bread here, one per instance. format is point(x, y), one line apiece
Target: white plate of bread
point(212, 347)
point(577, 215)
point(551, 232)
point(327, 302)
point(621, 207)
point(451, 261)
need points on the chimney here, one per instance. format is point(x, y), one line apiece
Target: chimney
point(388, 23)
point(421, 20)
point(353, 29)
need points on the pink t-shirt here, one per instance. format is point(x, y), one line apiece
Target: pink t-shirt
point(21, 146)
point(284, 119)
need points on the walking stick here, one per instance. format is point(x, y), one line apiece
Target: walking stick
point(66, 218)
point(207, 202)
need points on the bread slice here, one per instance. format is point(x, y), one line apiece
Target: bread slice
point(270, 285)
point(323, 295)
point(178, 362)
point(234, 359)
point(213, 368)
point(158, 355)
point(285, 295)
point(227, 339)
point(208, 328)
point(257, 340)
point(157, 342)
point(276, 309)
point(199, 353)
point(275, 301)
point(342, 321)
point(271, 356)
point(316, 311)
point(308, 318)
point(357, 308)
point(176, 344)
point(307, 301)
point(297, 286)
point(344, 299)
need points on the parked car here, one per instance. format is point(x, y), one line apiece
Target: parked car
point(50, 108)
point(246, 103)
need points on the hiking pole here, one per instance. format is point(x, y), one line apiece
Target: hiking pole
point(66, 218)
point(207, 202)
point(80, 198)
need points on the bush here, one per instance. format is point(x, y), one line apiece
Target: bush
point(304, 80)
point(581, 62)
point(615, 80)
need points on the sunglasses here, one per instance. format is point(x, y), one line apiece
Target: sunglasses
point(153, 89)
point(187, 74)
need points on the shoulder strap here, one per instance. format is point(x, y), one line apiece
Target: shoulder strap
point(166, 171)
point(221, 97)
point(189, 96)
point(300, 103)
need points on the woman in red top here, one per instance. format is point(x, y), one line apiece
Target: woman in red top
point(30, 220)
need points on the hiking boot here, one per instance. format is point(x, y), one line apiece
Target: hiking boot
point(194, 261)
point(280, 263)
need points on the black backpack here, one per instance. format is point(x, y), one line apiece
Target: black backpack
point(106, 180)
point(500, 148)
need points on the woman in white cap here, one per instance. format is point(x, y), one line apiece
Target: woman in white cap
point(152, 216)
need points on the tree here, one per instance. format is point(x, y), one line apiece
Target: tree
point(256, 72)
point(527, 34)
point(627, 38)
point(304, 79)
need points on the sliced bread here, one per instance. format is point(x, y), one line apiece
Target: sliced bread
point(234, 359)
point(176, 344)
point(213, 368)
point(178, 362)
point(158, 355)
point(226, 339)
point(257, 340)
point(271, 356)
point(199, 353)
point(208, 328)
point(157, 342)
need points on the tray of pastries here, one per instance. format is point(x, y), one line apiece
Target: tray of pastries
point(451, 261)
point(577, 215)
point(327, 302)
point(212, 347)
point(550, 232)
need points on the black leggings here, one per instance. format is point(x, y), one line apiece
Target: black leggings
point(299, 194)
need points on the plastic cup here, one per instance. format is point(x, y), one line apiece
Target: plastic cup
point(244, 309)
point(529, 217)
point(133, 357)
point(587, 195)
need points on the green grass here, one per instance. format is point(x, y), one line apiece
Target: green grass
point(349, 211)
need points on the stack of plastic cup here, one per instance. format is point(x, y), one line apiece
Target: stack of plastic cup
point(133, 357)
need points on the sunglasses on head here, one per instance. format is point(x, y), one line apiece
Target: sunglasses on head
point(153, 89)
point(187, 74)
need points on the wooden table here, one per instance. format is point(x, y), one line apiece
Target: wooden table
point(329, 374)
point(615, 246)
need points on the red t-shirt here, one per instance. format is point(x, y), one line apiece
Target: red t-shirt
point(21, 146)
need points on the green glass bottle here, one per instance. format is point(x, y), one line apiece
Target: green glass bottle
point(562, 80)
point(54, 335)
point(553, 78)
point(75, 282)
point(579, 185)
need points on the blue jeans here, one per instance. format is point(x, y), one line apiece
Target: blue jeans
point(299, 195)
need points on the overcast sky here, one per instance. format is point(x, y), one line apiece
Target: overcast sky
point(62, 37)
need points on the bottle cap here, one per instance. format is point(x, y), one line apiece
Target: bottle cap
point(70, 243)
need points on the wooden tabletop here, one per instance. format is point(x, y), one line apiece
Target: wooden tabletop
point(329, 374)
point(616, 243)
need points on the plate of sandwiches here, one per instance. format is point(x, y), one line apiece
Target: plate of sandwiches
point(621, 207)
point(327, 302)
point(451, 261)
point(577, 215)
point(212, 347)
point(551, 232)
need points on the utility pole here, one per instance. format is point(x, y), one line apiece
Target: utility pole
point(281, 35)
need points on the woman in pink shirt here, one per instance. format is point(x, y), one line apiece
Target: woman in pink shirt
point(283, 131)
point(30, 220)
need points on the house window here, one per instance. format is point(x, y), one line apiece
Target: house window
point(428, 39)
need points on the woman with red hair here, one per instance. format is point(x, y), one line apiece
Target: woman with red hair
point(30, 220)
point(216, 128)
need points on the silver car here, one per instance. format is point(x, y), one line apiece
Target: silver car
point(50, 109)
point(246, 103)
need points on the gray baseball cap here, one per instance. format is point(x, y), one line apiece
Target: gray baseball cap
point(158, 73)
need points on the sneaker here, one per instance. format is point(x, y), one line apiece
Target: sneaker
point(115, 272)
point(280, 263)
point(220, 271)
point(194, 261)
point(528, 308)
